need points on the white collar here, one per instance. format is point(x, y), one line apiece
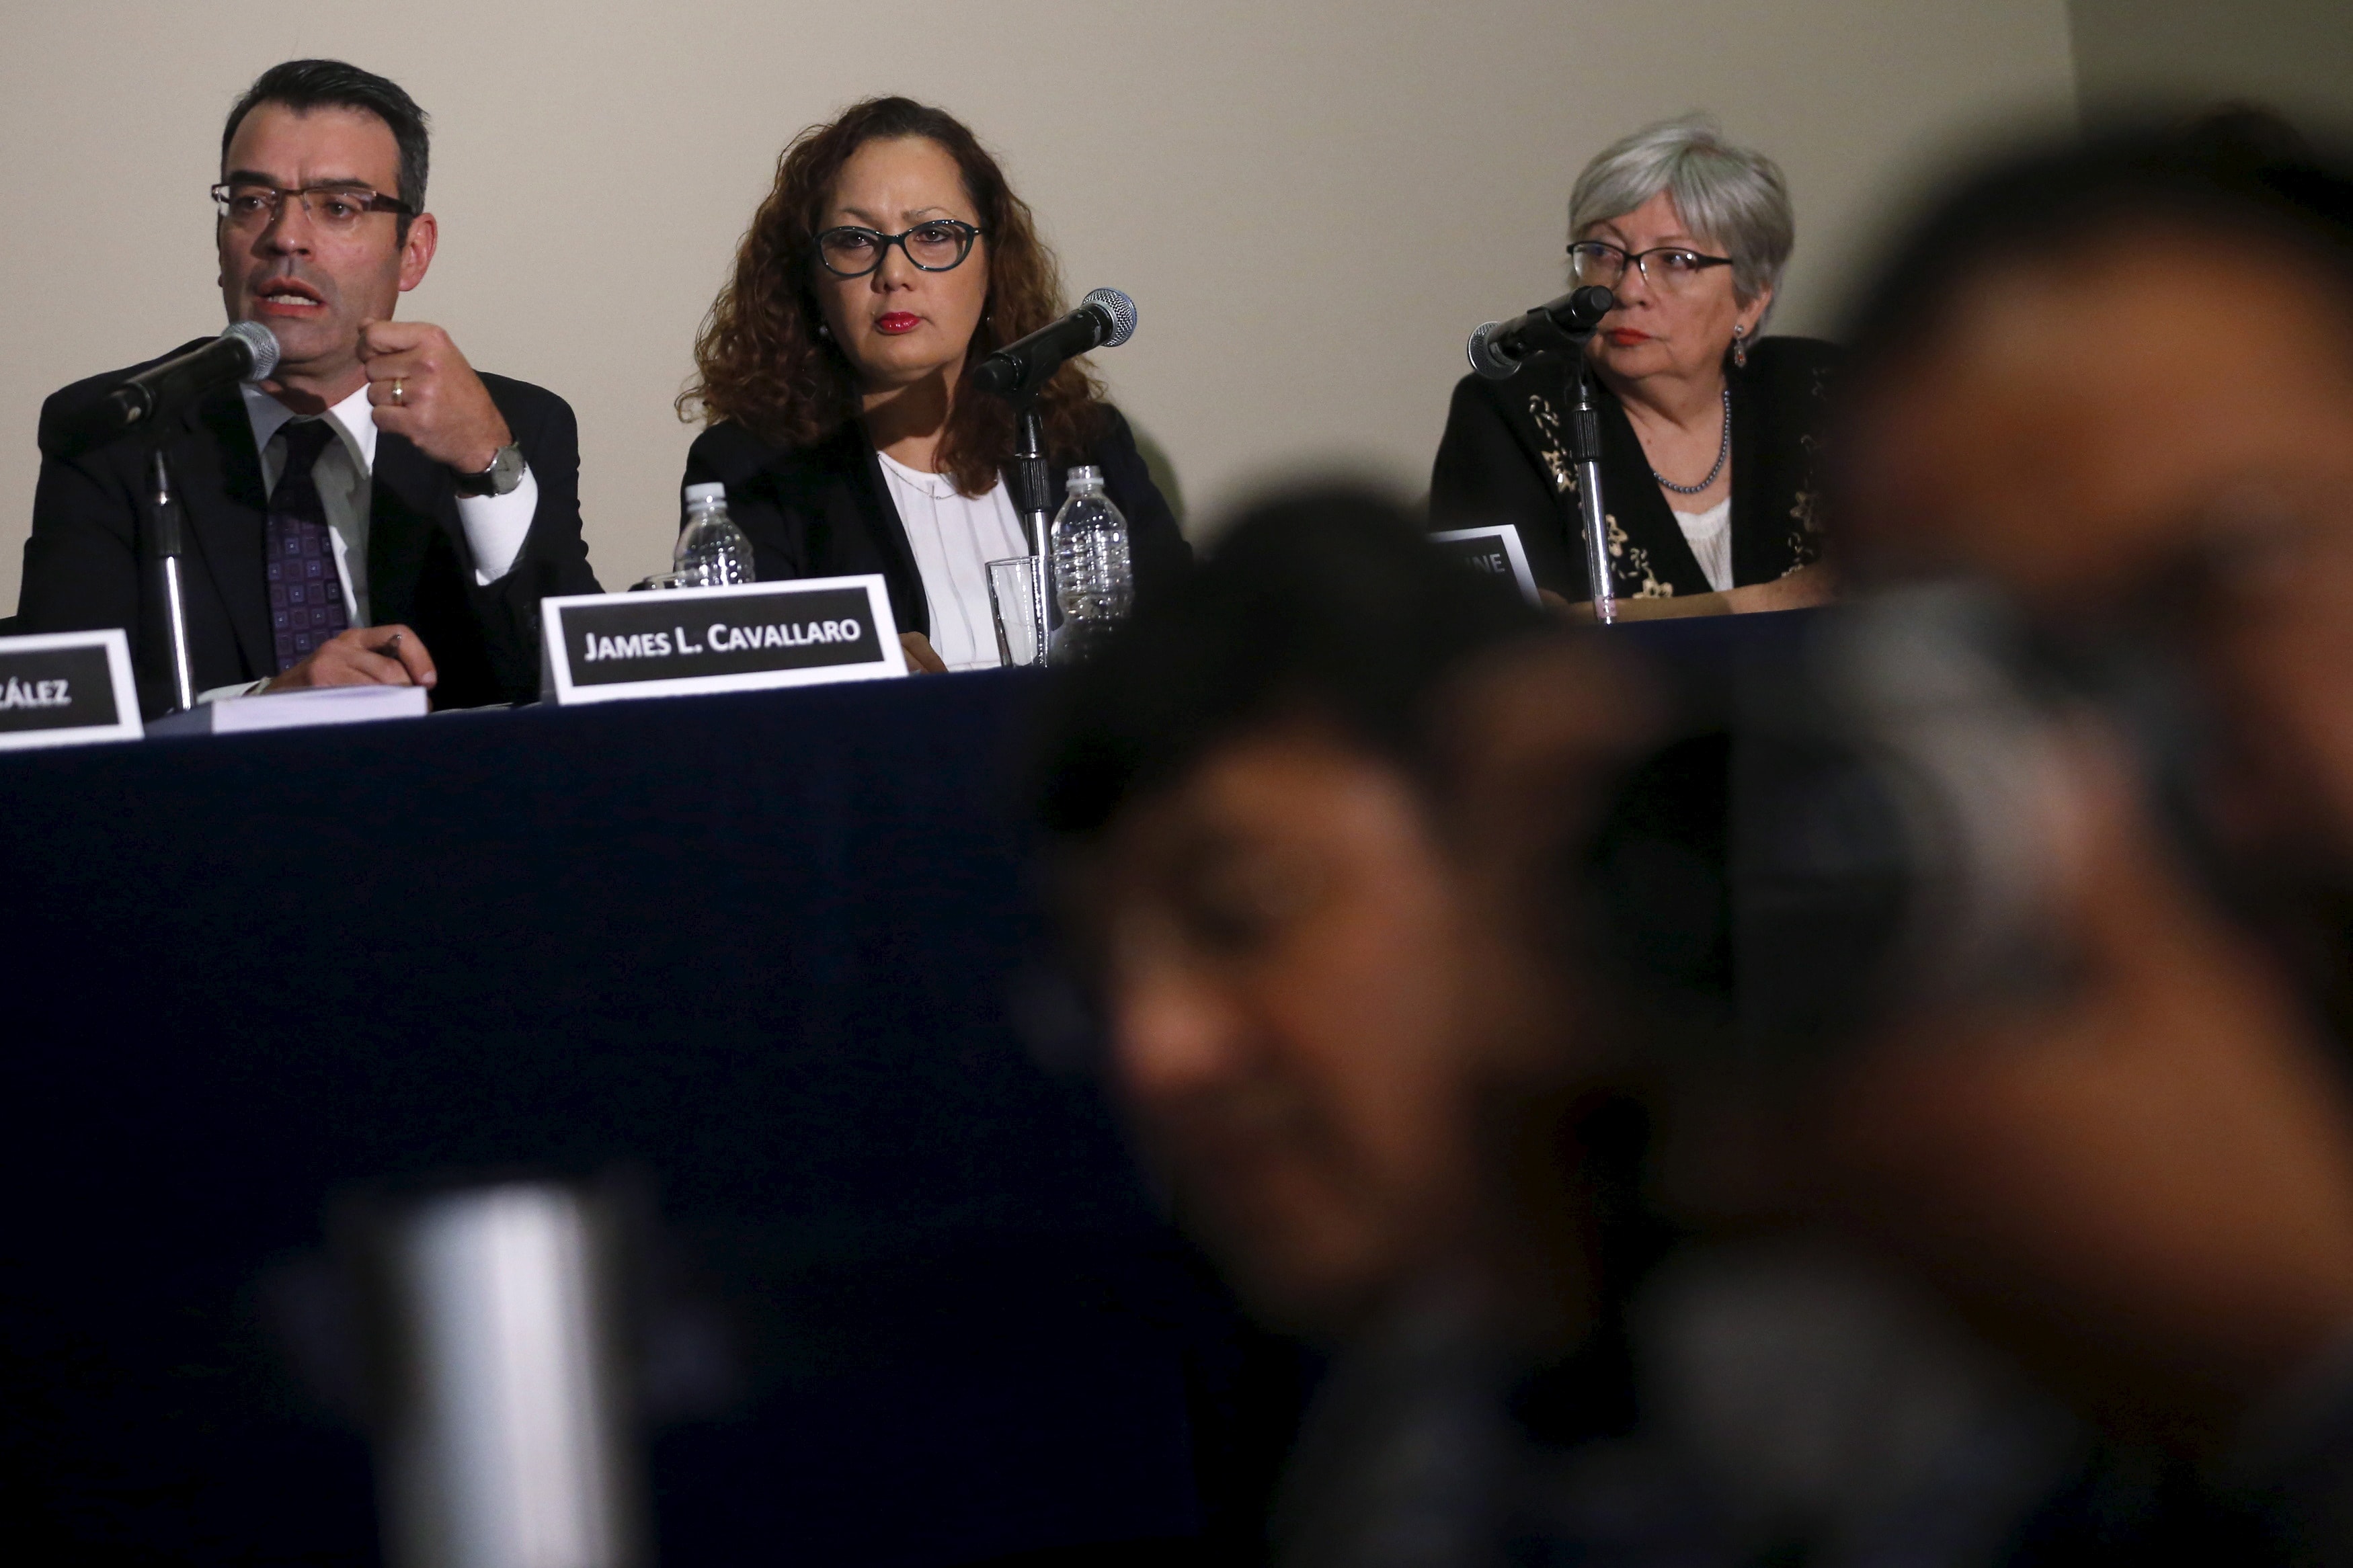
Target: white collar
point(939, 487)
point(354, 416)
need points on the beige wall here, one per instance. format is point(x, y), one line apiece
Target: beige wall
point(1312, 201)
point(2296, 55)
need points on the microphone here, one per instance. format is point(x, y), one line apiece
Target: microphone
point(1498, 349)
point(248, 351)
point(1104, 320)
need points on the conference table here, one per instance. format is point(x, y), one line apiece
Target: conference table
point(778, 960)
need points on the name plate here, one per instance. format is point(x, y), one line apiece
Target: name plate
point(67, 688)
point(602, 647)
point(1494, 551)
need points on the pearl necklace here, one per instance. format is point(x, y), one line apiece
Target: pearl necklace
point(1722, 452)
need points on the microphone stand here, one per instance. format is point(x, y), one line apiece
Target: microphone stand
point(164, 510)
point(1585, 455)
point(1030, 482)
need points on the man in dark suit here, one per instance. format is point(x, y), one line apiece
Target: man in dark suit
point(374, 512)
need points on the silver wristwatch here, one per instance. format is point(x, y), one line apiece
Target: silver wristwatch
point(501, 477)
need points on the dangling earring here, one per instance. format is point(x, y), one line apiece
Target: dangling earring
point(1740, 348)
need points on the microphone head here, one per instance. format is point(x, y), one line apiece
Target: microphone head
point(1587, 306)
point(260, 345)
point(997, 374)
point(1120, 309)
point(1486, 357)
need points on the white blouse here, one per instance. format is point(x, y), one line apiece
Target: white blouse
point(1709, 533)
point(955, 537)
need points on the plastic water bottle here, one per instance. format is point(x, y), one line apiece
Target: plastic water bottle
point(712, 551)
point(1094, 579)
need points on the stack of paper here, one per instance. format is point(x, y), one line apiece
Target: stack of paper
point(297, 710)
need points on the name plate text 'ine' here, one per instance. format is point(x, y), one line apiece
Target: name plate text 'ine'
point(602, 647)
point(66, 689)
point(1493, 551)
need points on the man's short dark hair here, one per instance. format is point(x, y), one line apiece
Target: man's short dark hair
point(1330, 607)
point(306, 85)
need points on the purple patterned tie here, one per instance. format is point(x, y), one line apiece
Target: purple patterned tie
point(306, 592)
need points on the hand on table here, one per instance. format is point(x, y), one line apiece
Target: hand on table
point(364, 656)
point(921, 659)
point(422, 389)
point(1804, 587)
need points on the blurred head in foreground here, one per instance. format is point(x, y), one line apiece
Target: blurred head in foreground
point(2117, 380)
point(1309, 965)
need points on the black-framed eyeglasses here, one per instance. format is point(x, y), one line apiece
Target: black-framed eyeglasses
point(939, 245)
point(249, 204)
point(1599, 261)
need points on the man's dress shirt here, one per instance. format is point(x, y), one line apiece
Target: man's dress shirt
point(495, 525)
point(409, 548)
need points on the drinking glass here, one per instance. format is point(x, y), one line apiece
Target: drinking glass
point(1012, 600)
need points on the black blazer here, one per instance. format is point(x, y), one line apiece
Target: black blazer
point(90, 563)
point(1505, 459)
point(824, 510)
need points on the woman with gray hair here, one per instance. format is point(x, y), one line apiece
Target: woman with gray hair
point(1708, 432)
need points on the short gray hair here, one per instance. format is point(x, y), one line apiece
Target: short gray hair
point(1734, 197)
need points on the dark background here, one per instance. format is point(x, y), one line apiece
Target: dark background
point(758, 955)
point(754, 952)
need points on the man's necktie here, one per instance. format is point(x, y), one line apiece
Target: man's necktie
point(306, 592)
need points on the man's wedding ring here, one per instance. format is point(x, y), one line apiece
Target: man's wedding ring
point(399, 393)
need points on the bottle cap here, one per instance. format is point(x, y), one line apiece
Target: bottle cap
point(1084, 475)
point(705, 493)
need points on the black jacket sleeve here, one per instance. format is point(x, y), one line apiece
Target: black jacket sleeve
point(82, 560)
point(81, 564)
point(484, 636)
point(86, 565)
point(554, 557)
point(729, 455)
point(1486, 473)
point(1482, 474)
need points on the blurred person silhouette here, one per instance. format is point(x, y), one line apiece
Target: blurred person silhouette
point(1348, 998)
point(2074, 394)
point(1313, 813)
point(1345, 1010)
point(2116, 380)
point(1314, 1008)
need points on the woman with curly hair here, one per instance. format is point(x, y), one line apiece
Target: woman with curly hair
point(890, 257)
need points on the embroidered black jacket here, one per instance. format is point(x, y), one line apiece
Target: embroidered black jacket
point(1505, 459)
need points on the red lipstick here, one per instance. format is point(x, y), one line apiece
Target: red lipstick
point(894, 323)
point(1626, 337)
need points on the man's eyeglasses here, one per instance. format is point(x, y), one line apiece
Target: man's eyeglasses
point(937, 246)
point(1669, 267)
point(337, 208)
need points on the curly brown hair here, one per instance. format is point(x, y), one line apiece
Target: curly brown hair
point(762, 362)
